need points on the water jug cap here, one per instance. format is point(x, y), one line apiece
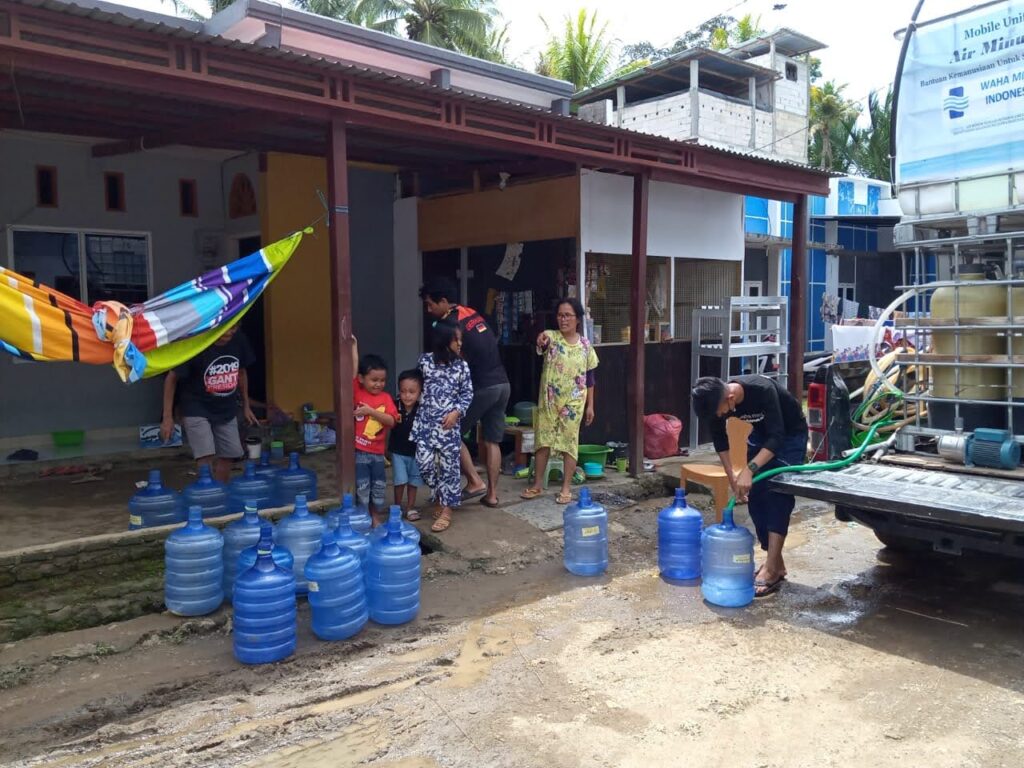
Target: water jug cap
point(266, 540)
point(293, 460)
point(250, 469)
point(204, 472)
point(681, 495)
point(584, 497)
point(250, 513)
point(154, 478)
point(266, 530)
point(300, 504)
point(195, 517)
point(727, 521)
point(327, 539)
point(264, 459)
point(347, 501)
point(395, 514)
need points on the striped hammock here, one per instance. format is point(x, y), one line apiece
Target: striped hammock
point(143, 340)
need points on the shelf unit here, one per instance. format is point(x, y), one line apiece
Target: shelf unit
point(748, 326)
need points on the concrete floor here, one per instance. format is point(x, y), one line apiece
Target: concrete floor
point(865, 658)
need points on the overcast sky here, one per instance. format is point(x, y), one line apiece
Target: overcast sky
point(861, 49)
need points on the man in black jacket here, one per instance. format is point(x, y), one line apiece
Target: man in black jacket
point(779, 438)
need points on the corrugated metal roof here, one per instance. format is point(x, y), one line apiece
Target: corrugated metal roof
point(788, 42)
point(171, 26)
point(678, 65)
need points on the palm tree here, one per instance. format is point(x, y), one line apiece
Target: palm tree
point(459, 25)
point(582, 53)
point(830, 112)
point(382, 15)
point(872, 155)
point(497, 45)
point(740, 31)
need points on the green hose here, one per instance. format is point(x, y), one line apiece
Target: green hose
point(818, 466)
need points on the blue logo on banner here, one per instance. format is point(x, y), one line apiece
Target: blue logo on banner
point(955, 103)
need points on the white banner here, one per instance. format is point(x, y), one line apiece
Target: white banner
point(961, 100)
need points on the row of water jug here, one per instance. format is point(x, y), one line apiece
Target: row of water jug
point(722, 554)
point(349, 576)
point(262, 486)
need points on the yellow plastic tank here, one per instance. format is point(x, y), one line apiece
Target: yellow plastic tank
point(975, 299)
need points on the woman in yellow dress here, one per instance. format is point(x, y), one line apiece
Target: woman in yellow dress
point(566, 396)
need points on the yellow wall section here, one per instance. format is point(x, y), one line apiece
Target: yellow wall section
point(298, 302)
point(545, 210)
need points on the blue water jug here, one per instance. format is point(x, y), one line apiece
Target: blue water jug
point(337, 594)
point(679, 528)
point(250, 489)
point(155, 505)
point(300, 533)
point(294, 481)
point(393, 577)
point(207, 494)
point(338, 522)
point(193, 568)
point(263, 629)
point(409, 530)
point(239, 535)
point(727, 563)
point(265, 469)
point(585, 536)
point(360, 520)
point(281, 556)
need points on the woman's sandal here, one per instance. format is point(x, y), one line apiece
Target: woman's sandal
point(444, 519)
point(531, 493)
point(563, 498)
point(412, 515)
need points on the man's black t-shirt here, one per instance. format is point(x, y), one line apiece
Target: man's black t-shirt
point(771, 410)
point(479, 348)
point(209, 382)
point(398, 439)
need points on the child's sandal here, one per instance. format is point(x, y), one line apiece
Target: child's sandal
point(412, 515)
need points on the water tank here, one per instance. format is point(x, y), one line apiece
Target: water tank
point(263, 629)
point(337, 593)
point(155, 505)
point(679, 531)
point(975, 298)
point(1017, 386)
point(207, 494)
point(393, 577)
point(294, 481)
point(585, 536)
point(239, 535)
point(193, 568)
point(727, 563)
point(409, 530)
point(300, 533)
point(281, 556)
point(249, 489)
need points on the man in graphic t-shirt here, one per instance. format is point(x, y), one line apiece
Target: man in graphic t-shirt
point(210, 386)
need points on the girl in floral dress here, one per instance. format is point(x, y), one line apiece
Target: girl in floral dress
point(447, 393)
point(566, 396)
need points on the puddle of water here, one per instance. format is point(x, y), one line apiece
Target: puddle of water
point(356, 744)
point(358, 699)
point(485, 644)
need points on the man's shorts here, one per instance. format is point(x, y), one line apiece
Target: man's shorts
point(406, 470)
point(488, 408)
point(207, 439)
point(371, 479)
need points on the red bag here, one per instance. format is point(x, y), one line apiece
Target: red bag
point(661, 435)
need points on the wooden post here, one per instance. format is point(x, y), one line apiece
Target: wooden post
point(638, 323)
point(798, 299)
point(341, 302)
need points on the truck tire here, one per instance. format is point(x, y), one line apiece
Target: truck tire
point(903, 543)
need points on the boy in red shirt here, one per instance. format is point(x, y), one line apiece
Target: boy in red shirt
point(375, 414)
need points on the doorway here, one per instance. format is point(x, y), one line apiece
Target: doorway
point(252, 326)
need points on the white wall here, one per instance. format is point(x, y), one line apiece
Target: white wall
point(42, 397)
point(683, 221)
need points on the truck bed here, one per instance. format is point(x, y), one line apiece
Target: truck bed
point(937, 497)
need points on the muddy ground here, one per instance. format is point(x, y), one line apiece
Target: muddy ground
point(866, 658)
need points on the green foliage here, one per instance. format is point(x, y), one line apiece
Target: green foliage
point(580, 52)
point(832, 123)
point(872, 143)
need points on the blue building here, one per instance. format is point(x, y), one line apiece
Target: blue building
point(851, 254)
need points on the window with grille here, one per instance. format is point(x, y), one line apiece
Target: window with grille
point(608, 284)
point(702, 283)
